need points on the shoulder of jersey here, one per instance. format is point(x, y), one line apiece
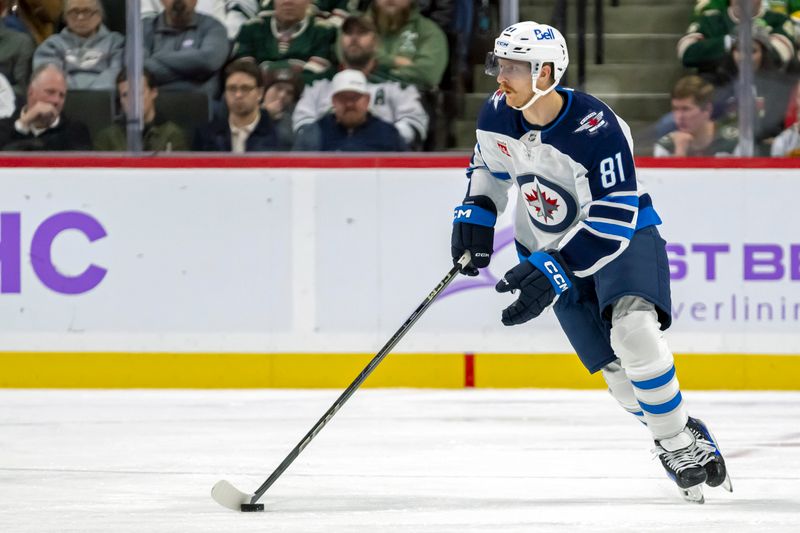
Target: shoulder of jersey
point(589, 115)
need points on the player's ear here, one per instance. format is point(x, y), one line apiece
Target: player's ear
point(546, 72)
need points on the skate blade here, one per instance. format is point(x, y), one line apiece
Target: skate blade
point(693, 494)
point(727, 485)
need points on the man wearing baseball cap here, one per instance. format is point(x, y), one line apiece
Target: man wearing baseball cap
point(350, 127)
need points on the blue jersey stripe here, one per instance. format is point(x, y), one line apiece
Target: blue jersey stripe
point(611, 229)
point(632, 201)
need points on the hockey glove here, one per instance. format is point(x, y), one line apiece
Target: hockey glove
point(473, 230)
point(540, 279)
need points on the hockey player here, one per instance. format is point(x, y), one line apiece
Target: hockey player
point(586, 239)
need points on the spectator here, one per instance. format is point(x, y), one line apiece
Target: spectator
point(37, 18)
point(772, 89)
point(88, 53)
point(40, 125)
point(158, 136)
point(790, 8)
point(16, 51)
point(333, 12)
point(289, 36)
point(248, 127)
point(8, 101)
point(351, 127)
point(709, 40)
point(697, 134)
point(396, 103)
point(787, 144)
point(231, 13)
point(282, 90)
point(412, 49)
point(185, 50)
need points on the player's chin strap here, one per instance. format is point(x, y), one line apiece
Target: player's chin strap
point(537, 93)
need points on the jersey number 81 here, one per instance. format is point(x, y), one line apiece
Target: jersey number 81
point(609, 170)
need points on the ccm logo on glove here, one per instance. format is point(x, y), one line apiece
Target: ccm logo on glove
point(558, 278)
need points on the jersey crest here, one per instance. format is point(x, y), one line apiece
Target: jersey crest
point(550, 207)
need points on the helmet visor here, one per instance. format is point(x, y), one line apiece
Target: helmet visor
point(494, 66)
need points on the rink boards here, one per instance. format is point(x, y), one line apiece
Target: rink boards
point(294, 272)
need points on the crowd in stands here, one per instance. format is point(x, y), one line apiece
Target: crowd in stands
point(705, 103)
point(340, 75)
point(229, 75)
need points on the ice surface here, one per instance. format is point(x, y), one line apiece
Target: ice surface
point(390, 461)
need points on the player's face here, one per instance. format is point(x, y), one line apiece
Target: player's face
point(689, 116)
point(514, 78)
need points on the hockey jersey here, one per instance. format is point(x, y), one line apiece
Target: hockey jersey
point(575, 179)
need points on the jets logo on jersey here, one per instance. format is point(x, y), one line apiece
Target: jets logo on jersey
point(545, 207)
point(503, 148)
point(591, 123)
point(550, 207)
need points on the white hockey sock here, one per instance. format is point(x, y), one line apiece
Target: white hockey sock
point(648, 363)
point(621, 389)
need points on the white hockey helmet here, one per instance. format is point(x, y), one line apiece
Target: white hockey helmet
point(536, 44)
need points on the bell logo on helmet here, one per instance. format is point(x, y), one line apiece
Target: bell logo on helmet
point(546, 35)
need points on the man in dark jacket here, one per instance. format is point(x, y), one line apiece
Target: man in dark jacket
point(351, 127)
point(39, 125)
point(184, 49)
point(248, 127)
point(158, 135)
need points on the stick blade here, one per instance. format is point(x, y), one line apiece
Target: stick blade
point(229, 496)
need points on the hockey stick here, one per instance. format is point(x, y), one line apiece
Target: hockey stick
point(225, 494)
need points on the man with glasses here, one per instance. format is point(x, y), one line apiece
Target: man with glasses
point(248, 127)
point(586, 239)
point(85, 50)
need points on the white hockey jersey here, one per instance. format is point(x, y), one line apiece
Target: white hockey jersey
point(575, 179)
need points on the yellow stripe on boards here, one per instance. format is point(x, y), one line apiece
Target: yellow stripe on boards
point(422, 370)
point(206, 370)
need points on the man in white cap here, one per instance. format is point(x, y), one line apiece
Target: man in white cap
point(350, 127)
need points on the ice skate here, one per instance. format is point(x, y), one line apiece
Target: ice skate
point(678, 454)
point(708, 454)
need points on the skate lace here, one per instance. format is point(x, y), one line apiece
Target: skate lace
point(704, 449)
point(679, 460)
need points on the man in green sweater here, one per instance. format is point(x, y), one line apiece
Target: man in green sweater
point(157, 136)
point(289, 37)
point(710, 39)
point(413, 49)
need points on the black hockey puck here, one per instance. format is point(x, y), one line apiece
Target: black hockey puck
point(252, 507)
